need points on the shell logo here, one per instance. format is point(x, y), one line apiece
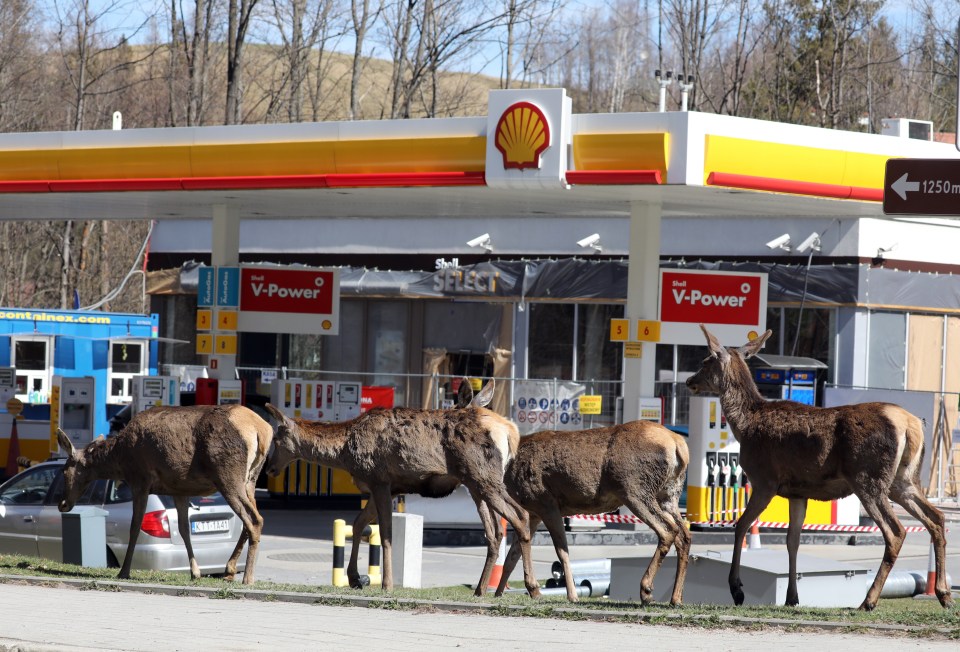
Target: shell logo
point(522, 135)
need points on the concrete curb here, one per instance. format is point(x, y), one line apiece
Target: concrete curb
point(534, 610)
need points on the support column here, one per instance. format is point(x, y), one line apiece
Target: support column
point(642, 293)
point(225, 252)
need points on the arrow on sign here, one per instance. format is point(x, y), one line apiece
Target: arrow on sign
point(901, 186)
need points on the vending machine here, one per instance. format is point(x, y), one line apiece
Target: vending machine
point(72, 410)
point(150, 391)
point(315, 400)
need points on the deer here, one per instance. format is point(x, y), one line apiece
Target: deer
point(640, 464)
point(180, 452)
point(396, 451)
point(803, 452)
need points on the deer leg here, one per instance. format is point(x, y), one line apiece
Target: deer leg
point(759, 499)
point(514, 554)
point(242, 503)
point(230, 571)
point(384, 500)
point(893, 535)
point(913, 500)
point(517, 517)
point(182, 504)
point(681, 541)
point(553, 520)
point(798, 512)
point(364, 518)
point(666, 534)
point(493, 534)
point(139, 509)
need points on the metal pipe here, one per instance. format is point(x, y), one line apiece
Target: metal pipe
point(582, 567)
point(598, 586)
point(581, 591)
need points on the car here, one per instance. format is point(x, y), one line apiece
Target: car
point(30, 523)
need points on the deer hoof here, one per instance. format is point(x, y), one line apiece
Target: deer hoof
point(229, 577)
point(535, 592)
point(359, 582)
point(945, 598)
point(866, 606)
point(737, 593)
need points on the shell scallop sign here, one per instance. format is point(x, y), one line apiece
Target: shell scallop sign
point(527, 138)
point(522, 136)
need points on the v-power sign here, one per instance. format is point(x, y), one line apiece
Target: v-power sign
point(732, 305)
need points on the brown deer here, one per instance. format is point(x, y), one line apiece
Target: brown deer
point(180, 452)
point(639, 464)
point(412, 451)
point(797, 451)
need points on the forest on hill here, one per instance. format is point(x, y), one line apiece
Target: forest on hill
point(70, 64)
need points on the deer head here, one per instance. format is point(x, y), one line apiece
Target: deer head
point(283, 450)
point(716, 366)
point(76, 472)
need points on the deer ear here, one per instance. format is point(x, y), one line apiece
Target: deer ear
point(716, 349)
point(464, 393)
point(65, 444)
point(485, 396)
point(750, 349)
point(274, 412)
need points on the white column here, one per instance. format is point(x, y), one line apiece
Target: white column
point(225, 252)
point(642, 292)
point(226, 235)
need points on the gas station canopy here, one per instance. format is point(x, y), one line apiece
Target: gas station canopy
point(528, 157)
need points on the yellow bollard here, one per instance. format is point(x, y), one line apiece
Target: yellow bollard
point(373, 565)
point(342, 532)
point(339, 542)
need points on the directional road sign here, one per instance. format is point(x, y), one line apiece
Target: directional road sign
point(922, 186)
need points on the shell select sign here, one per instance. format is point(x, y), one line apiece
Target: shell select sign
point(281, 299)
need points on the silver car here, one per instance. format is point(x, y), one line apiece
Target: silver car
point(30, 523)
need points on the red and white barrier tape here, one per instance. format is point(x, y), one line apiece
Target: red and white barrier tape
point(629, 518)
point(814, 527)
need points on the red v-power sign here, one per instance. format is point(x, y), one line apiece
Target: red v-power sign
point(732, 305)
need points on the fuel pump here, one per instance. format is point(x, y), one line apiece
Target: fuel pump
point(711, 485)
point(71, 410)
point(8, 385)
point(315, 400)
point(723, 472)
point(710, 473)
point(735, 485)
point(150, 391)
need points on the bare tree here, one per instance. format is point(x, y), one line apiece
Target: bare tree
point(239, 14)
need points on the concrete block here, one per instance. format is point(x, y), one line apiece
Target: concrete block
point(407, 550)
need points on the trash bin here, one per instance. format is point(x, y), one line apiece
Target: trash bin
point(85, 537)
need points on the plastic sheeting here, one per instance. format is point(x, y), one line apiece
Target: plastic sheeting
point(573, 279)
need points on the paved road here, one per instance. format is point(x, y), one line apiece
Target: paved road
point(297, 548)
point(36, 618)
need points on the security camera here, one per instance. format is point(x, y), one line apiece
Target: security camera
point(480, 241)
point(780, 242)
point(589, 241)
point(812, 242)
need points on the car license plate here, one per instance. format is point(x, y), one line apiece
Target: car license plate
point(207, 527)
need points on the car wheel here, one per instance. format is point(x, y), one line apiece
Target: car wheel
point(112, 559)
